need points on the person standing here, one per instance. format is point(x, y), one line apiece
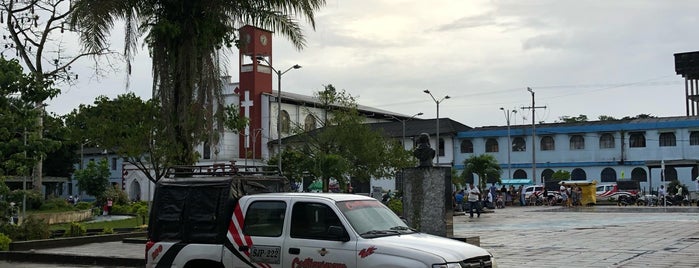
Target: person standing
point(474, 196)
point(661, 194)
point(459, 198)
point(522, 196)
point(564, 195)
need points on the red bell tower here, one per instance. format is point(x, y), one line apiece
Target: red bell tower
point(255, 79)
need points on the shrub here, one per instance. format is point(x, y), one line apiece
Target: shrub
point(120, 209)
point(14, 232)
point(56, 204)
point(34, 228)
point(84, 205)
point(76, 229)
point(4, 242)
point(107, 230)
point(396, 205)
point(118, 197)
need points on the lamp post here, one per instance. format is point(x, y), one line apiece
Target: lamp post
point(437, 102)
point(279, 105)
point(508, 113)
point(403, 122)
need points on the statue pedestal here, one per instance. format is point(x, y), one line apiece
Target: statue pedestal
point(427, 202)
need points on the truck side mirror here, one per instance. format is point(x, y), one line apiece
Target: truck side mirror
point(337, 232)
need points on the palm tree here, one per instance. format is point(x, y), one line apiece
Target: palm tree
point(184, 38)
point(485, 166)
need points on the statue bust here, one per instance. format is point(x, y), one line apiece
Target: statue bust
point(423, 152)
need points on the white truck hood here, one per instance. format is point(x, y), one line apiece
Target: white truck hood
point(450, 250)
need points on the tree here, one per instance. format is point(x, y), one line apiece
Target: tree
point(34, 31)
point(344, 147)
point(184, 38)
point(560, 175)
point(573, 119)
point(485, 166)
point(94, 179)
point(606, 118)
point(21, 144)
point(126, 126)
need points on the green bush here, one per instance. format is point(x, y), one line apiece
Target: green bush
point(33, 228)
point(120, 209)
point(118, 197)
point(12, 231)
point(4, 242)
point(107, 230)
point(84, 205)
point(396, 205)
point(76, 229)
point(56, 204)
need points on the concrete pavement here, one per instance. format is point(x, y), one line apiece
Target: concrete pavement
point(528, 236)
point(588, 237)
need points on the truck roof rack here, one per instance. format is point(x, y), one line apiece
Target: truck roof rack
point(222, 169)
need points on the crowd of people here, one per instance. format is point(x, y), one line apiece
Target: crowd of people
point(471, 199)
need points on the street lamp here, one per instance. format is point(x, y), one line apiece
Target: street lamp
point(437, 102)
point(279, 105)
point(508, 113)
point(403, 122)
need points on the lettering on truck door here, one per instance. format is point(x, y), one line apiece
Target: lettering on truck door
point(318, 238)
point(256, 235)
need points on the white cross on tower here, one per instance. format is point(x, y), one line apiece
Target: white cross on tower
point(246, 104)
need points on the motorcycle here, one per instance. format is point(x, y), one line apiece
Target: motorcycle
point(676, 200)
point(647, 199)
point(625, 200)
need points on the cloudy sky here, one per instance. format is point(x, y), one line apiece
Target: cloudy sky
point(580, 57)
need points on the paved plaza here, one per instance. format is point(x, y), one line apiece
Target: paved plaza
point(539, 237)
point(603, 236)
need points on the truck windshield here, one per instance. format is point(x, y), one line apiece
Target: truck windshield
point(371, 218)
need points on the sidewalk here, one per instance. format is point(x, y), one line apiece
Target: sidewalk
point(588, 237)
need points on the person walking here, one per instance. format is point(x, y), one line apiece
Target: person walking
point(459, 198)
point(474, 196)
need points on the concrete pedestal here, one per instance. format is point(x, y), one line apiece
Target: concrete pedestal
point(427, 200)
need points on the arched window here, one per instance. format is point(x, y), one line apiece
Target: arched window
point(577, 142)
point(667, 139)
point(695, 173)
point(466, 147)
point(286, 122)
point(547, 174)
point(637, 140)
point(491, 146)
point(606, 141)
point(207, 150)
point(694, 138)
point(135, 193)
point(310, 123)
point(547, 143)
point(670, 174)
point(608, 175)
point(578, 174)
point(519, 145)
point(519, 174)
point(639, 174)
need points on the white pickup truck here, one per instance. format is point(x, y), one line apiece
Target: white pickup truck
point(198, 223)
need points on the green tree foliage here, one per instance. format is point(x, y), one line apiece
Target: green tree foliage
point(344, 147)
point(184, 38)
point(21, 143)
point(126, 126)
point(94, 179)
point(573, 119)
point(606, 118)
point(485, 166)
point(560, 175)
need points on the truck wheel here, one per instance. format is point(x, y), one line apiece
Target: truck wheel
point(203, 263)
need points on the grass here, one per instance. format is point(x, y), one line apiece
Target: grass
point(134, 222)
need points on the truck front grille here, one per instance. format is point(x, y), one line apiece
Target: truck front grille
point(477, 262)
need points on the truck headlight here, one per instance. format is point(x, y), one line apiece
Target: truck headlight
point(447, 265)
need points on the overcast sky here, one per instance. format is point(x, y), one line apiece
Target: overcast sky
point(580, 57)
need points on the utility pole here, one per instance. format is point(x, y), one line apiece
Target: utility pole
point(533, 108)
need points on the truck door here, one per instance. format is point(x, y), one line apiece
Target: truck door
point(256, 235)
point(318, 238)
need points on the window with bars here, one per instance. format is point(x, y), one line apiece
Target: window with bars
point(606, 141)
point(577, 142)
point(466, 147)
point(637, 140)
point(694, 138)
point(547, 143)
point(491, 146)
point(519, 145)
point(667, 139)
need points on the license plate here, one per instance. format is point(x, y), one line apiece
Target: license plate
point(265, 254)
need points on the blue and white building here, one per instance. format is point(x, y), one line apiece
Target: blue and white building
point(606, 151)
